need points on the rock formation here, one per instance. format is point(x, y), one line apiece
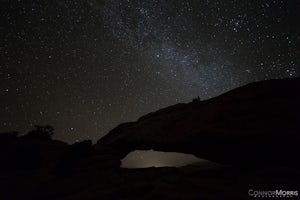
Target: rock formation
point(257, 124)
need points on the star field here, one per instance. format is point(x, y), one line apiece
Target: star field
point(86, 66)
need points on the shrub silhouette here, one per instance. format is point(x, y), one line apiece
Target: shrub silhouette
point(197, 99)
point(76, 152)
point(40, 133)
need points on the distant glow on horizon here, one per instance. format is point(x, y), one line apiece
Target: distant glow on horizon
point(143, 159)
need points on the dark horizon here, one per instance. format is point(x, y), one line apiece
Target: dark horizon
point(196, 99)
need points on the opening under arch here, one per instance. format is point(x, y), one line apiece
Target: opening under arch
point(150, 158)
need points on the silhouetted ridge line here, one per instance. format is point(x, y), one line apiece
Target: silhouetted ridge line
point(251, 125)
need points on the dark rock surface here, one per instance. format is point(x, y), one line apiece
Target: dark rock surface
point(190, 182)
point(253, 125)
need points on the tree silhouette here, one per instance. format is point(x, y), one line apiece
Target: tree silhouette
point(40, 132)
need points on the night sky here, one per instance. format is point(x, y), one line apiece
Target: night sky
point(84, 66)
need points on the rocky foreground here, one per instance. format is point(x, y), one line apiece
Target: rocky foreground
point(189, 182)
point(251, 132)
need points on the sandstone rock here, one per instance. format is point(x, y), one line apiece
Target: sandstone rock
point(252, 125)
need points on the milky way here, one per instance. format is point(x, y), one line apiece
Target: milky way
point(191, 41)
point(86, 66)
